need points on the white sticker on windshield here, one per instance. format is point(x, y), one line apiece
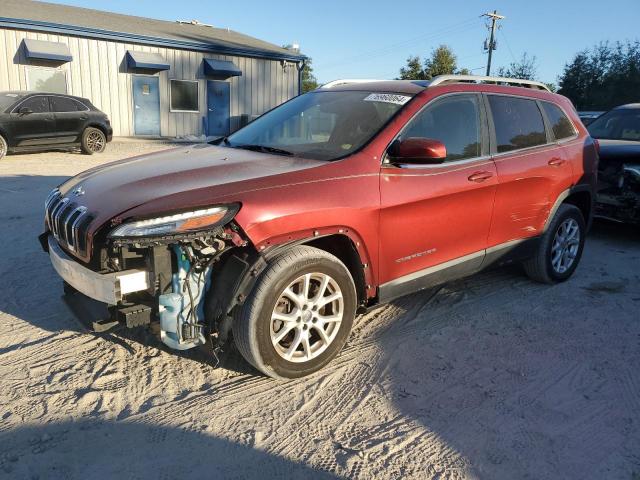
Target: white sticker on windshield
point(388, 98)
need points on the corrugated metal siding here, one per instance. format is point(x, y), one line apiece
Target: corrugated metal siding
point(98, 72)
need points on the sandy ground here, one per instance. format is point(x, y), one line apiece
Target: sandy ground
point(490, 377)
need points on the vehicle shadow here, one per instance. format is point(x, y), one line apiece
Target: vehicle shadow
point(101, 449)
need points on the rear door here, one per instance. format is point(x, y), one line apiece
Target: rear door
point(435, 219)
point(70, 117)
point(532, 169)
point(36, 127)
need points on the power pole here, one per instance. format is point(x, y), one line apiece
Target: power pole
point(491, 46)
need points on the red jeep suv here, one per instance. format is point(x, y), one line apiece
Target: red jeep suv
point(339, 200)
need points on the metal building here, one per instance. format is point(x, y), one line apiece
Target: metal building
point(151, 77)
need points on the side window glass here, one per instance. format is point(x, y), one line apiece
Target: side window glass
point(39, 104)
point(518, 123)
point(454, 121)
point(63, 104)
point(560, 124)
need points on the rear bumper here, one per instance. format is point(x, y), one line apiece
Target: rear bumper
point(108, 288)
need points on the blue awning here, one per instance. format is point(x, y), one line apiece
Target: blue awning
point(146, 61)
point(42, 50)
point(221, 69)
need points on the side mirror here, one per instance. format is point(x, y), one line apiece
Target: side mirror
point(418, 150)
point(25, 111)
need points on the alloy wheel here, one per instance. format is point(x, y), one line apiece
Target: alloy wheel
point(95, 141)
point(306, 317)
point(566, 244)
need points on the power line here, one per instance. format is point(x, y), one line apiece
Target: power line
point(454, 28)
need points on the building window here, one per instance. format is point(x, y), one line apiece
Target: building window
point(184, 96)
point(50, 80)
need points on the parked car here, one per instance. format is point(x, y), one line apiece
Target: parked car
point(588, 117)
point(337, 201)
point(44, 121)
point(618, 132)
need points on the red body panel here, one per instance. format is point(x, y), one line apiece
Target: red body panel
point(401, 220)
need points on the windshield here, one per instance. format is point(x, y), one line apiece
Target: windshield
point(622, 124)
point(322, 125)
point(8, 99)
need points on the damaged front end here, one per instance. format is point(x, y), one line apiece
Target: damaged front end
point(181, 274)
point(619, 191)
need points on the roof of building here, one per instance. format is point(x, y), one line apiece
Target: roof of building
point(84, 22)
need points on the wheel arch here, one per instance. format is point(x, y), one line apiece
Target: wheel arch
point(581, 197)
point(97, 125)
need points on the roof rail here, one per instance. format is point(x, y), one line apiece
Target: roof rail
point(346, 81)
point(516, 82)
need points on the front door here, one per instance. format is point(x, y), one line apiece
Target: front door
point(218, 109)
point(146, 105)
point(37, 127)
point(435, 219)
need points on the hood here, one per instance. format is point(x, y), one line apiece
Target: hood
point(623, 150)
point(191, 176)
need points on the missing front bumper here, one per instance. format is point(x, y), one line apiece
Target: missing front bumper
point(108, 288)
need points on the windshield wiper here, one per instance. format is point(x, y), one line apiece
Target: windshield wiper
point(265, 149)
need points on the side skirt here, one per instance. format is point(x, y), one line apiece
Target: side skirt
point(503, 254)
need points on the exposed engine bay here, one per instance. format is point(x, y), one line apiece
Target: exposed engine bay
point(619, 190)
point(180, 301)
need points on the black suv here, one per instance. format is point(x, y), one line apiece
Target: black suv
point(41, 121)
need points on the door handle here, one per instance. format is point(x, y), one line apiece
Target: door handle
point(211, 109)
point(83, 117)
point(556, 162)
point(480, 176)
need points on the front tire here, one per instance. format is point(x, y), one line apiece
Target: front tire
point(3, 147)
point(299, 314)
point(560, 248)
point(93, 141)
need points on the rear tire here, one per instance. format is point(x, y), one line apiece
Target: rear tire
point(3, 147)
point(299, 314)
point(560, 249)
point(93, 141)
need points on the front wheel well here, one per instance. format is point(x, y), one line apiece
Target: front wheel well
point(342, 247)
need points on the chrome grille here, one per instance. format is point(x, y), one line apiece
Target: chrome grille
point(67, 221)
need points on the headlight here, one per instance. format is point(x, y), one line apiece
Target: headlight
point(179, 223)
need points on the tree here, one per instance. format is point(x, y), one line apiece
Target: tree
point(525, 68)
point(442, 62)
point(412, 70)
point(603, 77)
point(309, 81)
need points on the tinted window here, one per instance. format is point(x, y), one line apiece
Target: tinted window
point(38, 104)
point(518, 123)
point(454, 121)
point(619, 124)
point(184, 96)
point(560, 124)
point(64, 104)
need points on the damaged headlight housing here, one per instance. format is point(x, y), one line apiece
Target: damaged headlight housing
point(183, 222)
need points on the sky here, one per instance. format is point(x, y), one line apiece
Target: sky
point(372, 39)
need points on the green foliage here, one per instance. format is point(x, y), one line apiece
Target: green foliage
point(603, 77)
point(309, 81)
point(525, 68)
point(442, 62)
